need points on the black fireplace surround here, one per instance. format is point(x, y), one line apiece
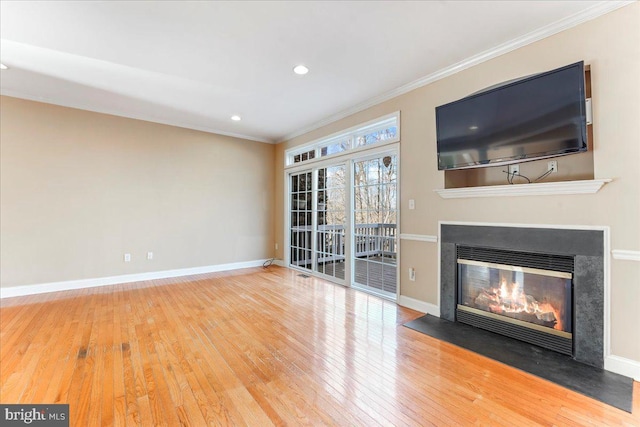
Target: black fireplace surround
point(585, 246)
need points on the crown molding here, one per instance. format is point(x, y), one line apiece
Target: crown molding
point(593, 12)
point(176, 123)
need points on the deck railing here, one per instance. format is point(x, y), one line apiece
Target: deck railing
point(370, 240)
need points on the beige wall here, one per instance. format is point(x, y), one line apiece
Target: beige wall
point(79, 189)
point(611, 45)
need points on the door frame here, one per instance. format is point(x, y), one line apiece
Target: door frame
point(348, 160)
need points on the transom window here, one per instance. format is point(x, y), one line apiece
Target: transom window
point(384, 129)
point(303, 157)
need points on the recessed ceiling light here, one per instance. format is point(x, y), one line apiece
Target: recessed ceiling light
point(236, 118)
point(300, 69)
point(3, 67)
point(474, 127)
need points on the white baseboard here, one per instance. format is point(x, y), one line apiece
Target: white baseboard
point(16, 291)
point(279, 263)
point(416, 304)
point(620, 365)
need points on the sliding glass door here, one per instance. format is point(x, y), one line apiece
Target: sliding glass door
point(343, 220)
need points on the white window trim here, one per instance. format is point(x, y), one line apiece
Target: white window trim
point(351, 133)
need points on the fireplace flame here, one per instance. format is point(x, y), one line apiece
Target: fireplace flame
point(503, 290)
point(511, 299)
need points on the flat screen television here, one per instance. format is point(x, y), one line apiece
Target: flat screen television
point(535, 117)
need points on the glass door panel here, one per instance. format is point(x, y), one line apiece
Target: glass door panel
point(301, 225)
point(331, 219)
point(375, 190)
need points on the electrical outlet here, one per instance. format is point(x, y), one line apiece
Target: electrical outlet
point(514, 169)
point(552, 165)
point(412, 204)
point(276, 246)
point(149, 255)
point(127, 257)
point(412, 274)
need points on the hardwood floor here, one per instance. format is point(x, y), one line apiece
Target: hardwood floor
point(261, 347)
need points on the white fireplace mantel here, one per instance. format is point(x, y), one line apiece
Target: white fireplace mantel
point(535, 189)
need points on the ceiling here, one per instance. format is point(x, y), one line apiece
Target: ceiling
point(195, 64)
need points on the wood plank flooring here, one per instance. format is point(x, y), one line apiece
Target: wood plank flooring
point(261, 347)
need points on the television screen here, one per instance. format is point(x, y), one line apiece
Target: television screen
point(534, 117)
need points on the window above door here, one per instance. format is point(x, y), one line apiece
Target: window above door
point(383, 130)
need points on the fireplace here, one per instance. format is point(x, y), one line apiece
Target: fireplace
point(544, 286)
point(520, 300)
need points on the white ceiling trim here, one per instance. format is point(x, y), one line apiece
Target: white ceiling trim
point(593, 12)
point(85, 107)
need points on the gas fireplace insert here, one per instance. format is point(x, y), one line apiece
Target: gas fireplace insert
point(532, 303)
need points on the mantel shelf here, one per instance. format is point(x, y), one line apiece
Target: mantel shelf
point(536, 189)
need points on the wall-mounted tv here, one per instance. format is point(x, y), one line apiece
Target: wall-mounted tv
point(535, 117)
